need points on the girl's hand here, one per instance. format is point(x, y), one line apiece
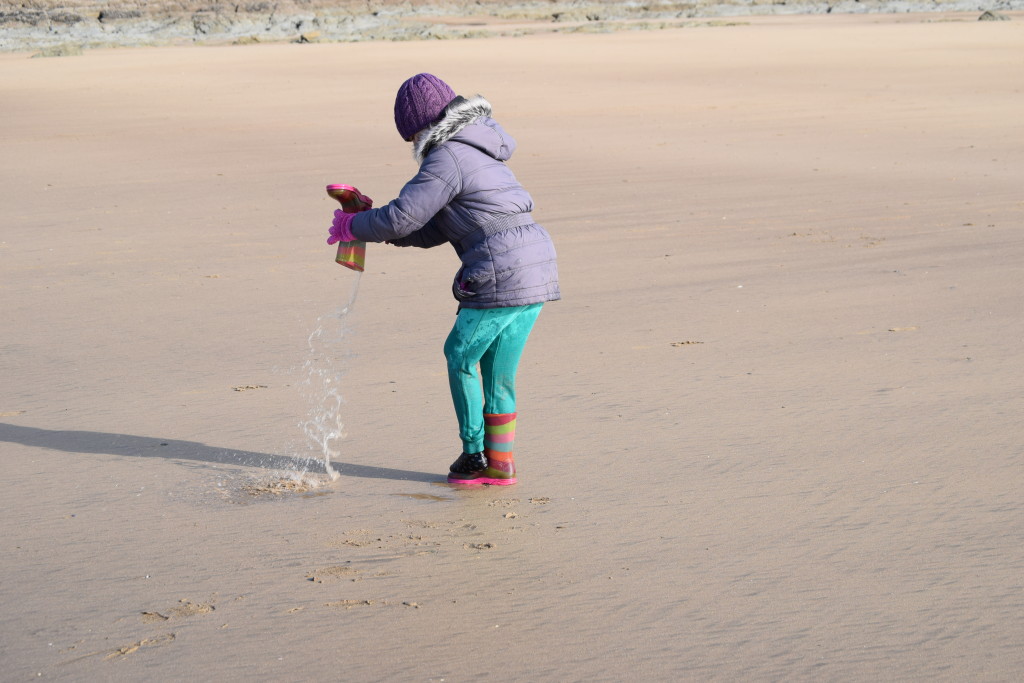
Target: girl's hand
point(341, 228)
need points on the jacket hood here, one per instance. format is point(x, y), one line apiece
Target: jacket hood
point(467, 121)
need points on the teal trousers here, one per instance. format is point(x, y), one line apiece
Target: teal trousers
point(493, 339)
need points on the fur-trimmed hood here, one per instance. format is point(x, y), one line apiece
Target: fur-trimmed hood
point(468, 121)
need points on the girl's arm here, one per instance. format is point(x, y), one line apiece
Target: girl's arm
point(426, 237)
point(428, 192)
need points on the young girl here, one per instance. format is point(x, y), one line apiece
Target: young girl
point(465, 195)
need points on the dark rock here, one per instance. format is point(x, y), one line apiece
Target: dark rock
point(993, 16)
point(29, 17)
point(115, 14)
point(66, 18)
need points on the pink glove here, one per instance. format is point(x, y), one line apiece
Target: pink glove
point(341, 228)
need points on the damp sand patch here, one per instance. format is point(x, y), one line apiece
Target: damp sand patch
point(248, 488)
point(277, 487)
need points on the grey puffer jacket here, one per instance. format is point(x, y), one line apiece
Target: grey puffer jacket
point(465, 195)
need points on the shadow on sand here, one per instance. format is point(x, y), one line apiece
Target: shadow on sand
point(72, 441)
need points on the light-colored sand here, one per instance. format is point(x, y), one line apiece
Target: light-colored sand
point(771, 433)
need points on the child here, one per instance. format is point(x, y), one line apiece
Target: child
point(465, 195)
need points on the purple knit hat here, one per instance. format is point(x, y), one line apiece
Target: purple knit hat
point(420, 101)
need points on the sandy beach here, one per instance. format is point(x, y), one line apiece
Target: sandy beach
point(772, 431)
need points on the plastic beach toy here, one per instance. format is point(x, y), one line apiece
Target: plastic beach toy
point(351, 200)
point(351, 254)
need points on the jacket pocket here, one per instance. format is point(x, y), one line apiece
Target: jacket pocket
point(473, 283)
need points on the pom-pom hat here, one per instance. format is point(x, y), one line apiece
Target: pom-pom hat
point(420, 101)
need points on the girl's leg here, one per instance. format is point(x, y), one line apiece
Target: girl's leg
point(499, 365)
point(493, 338)
point(500, 361)
point(473, 333)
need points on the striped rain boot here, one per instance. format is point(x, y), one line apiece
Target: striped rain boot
point(499, 437)
point(495, 465)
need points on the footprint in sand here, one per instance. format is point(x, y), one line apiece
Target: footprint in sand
point(423, 524)
point(185, 608)
point(404, 544)
point(357, 538)
point(348, 604)
point(126, 650)
point(338, 573)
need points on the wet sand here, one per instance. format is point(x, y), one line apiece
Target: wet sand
point(771, 432)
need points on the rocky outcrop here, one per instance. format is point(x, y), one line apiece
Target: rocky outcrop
point(34, 25)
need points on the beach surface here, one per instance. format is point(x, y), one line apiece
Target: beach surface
point(772, 432)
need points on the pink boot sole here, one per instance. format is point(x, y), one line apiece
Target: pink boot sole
point(483, 480)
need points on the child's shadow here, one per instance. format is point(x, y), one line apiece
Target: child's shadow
point(142, 446)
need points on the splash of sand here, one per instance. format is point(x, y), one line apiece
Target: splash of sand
point(324, 368)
